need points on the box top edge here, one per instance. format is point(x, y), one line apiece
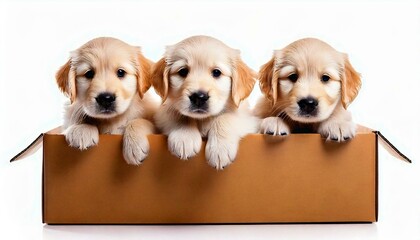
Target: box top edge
point(36, 144)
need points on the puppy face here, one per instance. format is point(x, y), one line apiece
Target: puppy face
point(103, 76)
point(307, 79)
point(201, 76)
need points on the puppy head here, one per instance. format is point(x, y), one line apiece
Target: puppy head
point(307, 79)
point(104, 75)
point(202, 76)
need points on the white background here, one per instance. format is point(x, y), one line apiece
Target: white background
point(381, 38)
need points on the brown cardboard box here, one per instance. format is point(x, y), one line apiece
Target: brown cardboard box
point(298, 179)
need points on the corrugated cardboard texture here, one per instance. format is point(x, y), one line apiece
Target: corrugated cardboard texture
point(298, 179)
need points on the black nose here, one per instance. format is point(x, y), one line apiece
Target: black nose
point(105, 100)
point(199, 99)
point(308, 105)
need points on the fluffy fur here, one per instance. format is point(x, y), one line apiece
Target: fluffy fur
point(106, 81)
point(308, 86)
point(206, 66)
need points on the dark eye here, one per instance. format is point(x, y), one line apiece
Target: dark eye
point(89, 74)
point(216, 73)
point(325, 78)
point(121, 73)
point(183, 72)
point(293, 77)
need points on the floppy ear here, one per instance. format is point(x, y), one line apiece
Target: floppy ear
point(144, 74)
point(66, 80)
point(267, 83)
point(350, 84)
point(243, 80)
point(160, 78)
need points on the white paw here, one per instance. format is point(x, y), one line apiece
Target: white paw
point(274, 126)
point(221, 152)
point(82, 136)
point(337, 131)
point(135, 147)
point(184, 142)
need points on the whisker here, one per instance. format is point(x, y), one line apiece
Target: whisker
point(283, 115)
point(79, 115)
point(279, 107)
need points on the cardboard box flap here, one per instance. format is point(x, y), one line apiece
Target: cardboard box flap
point(29, 150)
point(391, 148)
point(36, 144)
point(385, 143)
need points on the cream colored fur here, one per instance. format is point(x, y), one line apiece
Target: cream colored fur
point(134, 108)
point(227, 119)
point(311, 60)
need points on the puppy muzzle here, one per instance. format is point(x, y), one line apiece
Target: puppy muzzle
point(199, 102)
point(106, 102)
point(308, 106)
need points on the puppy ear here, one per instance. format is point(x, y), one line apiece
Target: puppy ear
point(267, 83)
point(144, 74)
point(243, 81)
point(66, 80)
point(160, 78)
point(350, 84)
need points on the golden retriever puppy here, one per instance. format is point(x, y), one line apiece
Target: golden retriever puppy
point(202, 83)
point(106, 81)
point(308, 86)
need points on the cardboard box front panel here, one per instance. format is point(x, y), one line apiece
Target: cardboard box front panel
point(298, 179)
